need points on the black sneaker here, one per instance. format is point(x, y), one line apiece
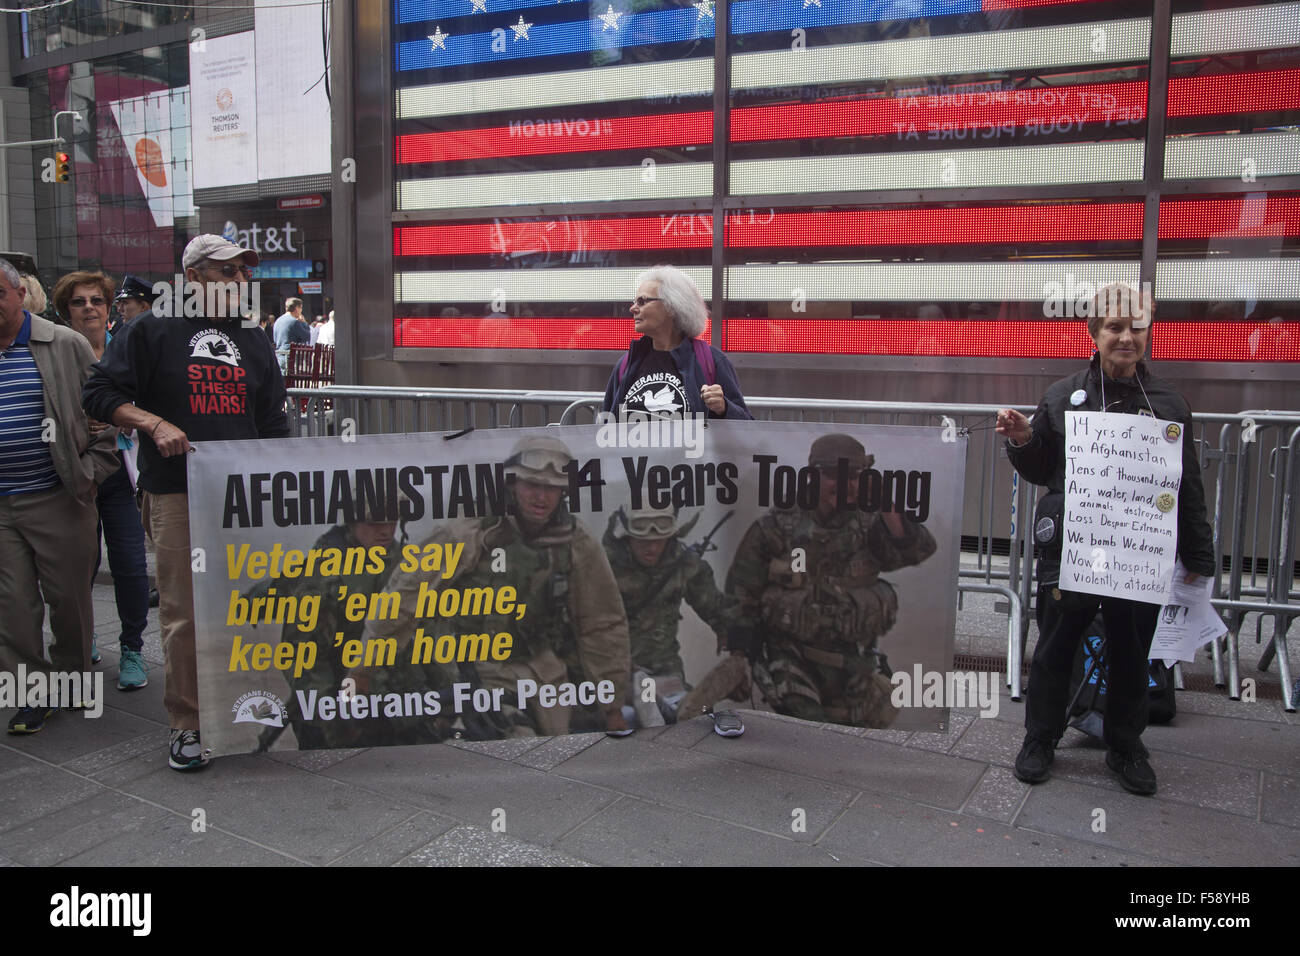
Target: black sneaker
point(1034, 761)
point(1135, 774)
point(185, 752)
point(29, 720)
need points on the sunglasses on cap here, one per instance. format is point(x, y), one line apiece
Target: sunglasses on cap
point(652, 524)
point(539, 459)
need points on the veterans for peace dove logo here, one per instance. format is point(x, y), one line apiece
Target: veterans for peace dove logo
point(259, 707)
point(214, 344)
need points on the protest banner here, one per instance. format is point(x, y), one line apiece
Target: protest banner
point(1122, 474)
point(403, 589)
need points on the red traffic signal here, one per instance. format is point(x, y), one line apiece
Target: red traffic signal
point(62, 170)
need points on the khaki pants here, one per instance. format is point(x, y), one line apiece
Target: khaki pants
point(48, 548)
point(167, 523)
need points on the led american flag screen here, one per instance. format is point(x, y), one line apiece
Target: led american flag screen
point(897, 177)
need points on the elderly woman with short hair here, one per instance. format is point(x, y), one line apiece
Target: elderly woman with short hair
point(669, 371)
point(1116, 380)
point(82, 299)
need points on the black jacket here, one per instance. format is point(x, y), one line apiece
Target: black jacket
point(692, 379)
point(214, 380)
point(1042, 459)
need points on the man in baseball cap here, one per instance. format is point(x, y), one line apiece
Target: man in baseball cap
point(216, 248)
point(156, 377)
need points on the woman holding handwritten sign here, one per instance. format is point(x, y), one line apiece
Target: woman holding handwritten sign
point(1117, 381)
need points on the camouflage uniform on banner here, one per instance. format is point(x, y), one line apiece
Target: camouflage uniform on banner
point(327, 674)
point(573, 629)
point(816, 628)
point(655, 574)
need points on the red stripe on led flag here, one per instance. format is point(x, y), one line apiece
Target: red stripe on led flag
point(1226, 341)
point(1278, 215)
point(1041, 105)
point(557, 136)
point(474, 332)
point(1201, 219)
point(1047, 339)
point(674, 231)
point(1234, 93)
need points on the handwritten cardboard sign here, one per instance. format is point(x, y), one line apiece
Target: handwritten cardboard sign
point(1122, 474)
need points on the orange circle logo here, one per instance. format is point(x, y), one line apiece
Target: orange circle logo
point(225, 99)
point(149, 160)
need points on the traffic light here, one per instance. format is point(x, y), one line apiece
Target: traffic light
point(62, 171)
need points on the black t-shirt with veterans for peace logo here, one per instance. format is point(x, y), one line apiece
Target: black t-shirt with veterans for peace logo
point(657, 389)
point(215, 380)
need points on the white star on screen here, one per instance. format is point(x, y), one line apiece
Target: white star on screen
point(439, 39)
point(610, 19)
point(706, 9)
point(521, 29)
point(480, 6)
point(811, 3)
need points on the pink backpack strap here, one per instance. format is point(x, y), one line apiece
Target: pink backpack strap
point(704, 356)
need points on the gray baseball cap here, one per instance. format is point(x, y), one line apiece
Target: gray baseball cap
point(209, 246)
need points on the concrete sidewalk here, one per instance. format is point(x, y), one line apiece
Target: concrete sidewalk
point(98, 792)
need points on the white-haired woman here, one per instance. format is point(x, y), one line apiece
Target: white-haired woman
point(669, 371)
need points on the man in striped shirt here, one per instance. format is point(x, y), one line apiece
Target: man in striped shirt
point(49, 471)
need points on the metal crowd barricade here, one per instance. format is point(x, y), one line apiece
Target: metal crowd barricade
point(1252, 487)
point(1257, 468)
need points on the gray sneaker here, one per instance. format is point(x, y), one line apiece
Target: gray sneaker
point(185, 752)
point(132, 672)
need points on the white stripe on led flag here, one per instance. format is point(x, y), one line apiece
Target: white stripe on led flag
point(1002, 51)
point(1235, 156)
point(536, 285)
point(924, 281)
point(961, 167)
point(1242, 28)
point(667, 81)
point(664, 181)
point(1232, 278)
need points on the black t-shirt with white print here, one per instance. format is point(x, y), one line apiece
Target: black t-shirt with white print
point(657, 390)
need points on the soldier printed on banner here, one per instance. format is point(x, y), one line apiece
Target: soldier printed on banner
point(656, 572)
point(573, 629)
point(814, 606)
point(330, 629)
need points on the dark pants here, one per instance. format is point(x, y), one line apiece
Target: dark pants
point(119, 521)
point(1063, 618)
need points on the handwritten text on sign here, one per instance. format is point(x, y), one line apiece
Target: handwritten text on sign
point(1122, 474)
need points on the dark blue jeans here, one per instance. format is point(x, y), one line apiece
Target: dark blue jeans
point(119, 522)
